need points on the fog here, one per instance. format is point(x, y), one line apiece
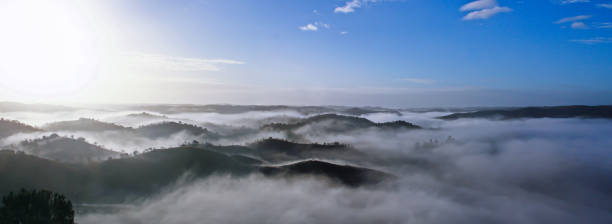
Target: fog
point(523, 171)
point(460, 171)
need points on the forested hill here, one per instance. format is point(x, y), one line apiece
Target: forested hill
point(11, 127)
point(339, 123)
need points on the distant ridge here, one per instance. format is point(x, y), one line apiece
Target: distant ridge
point(340, 123)
point(19, 107)
point(234, 109)
point(146, 115)
point(538, 112)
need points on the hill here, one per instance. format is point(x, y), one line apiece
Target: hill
point(11, 127)
point(153, 131)
point(113, 180)
point(145, 115)
point(344, 174)
point(167, 128)
point(84, 124)
point(538, 112)
point(277, 150)
point(338, 123)
point(65, 149)
point(116, 180)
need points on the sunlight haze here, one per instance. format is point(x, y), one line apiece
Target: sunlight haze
point(381, 53)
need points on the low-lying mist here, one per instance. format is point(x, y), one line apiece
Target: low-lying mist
point(523, 171)
point(458, 171)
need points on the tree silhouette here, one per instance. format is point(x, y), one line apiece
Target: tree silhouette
point(36, 206)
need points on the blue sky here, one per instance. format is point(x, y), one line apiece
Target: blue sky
point(365, 52)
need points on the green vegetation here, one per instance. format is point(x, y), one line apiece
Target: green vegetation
point(36, 207)
point(116, 179)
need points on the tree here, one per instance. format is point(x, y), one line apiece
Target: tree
point(36, 207)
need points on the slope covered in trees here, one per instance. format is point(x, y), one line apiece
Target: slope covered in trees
point(84, 124)
point(338, 123)
point(277, 150)
point(167, 128)
point(65, 149)
point(115, 180)
point(11, 127)
point(36, 206)
point(155, 130)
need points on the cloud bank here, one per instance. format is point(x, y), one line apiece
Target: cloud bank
point(518, 171)
point(482, 9)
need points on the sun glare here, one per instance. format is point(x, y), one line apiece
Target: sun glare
point(46, 49)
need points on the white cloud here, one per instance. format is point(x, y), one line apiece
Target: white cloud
point(309, 27)
point(418, 80)
point(482, 9)
point(605, 5)
point(573, 1)
point(348, 7)
point(486, 13)
point(314, 26)
point(343, 32)
point(578, 25)
point(595, 40)
point(171, 63)
point(352, 5)
point(605, 25)
point(573, 19)
point(479, 4)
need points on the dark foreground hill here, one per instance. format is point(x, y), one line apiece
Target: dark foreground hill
point(117, 180)
point(345, 174)
point(113, 180)
point(538, 112)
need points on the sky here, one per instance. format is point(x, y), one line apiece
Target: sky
point(410, 53)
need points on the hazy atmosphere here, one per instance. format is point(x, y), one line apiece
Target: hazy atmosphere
point(402, 53)
point(323, 111)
